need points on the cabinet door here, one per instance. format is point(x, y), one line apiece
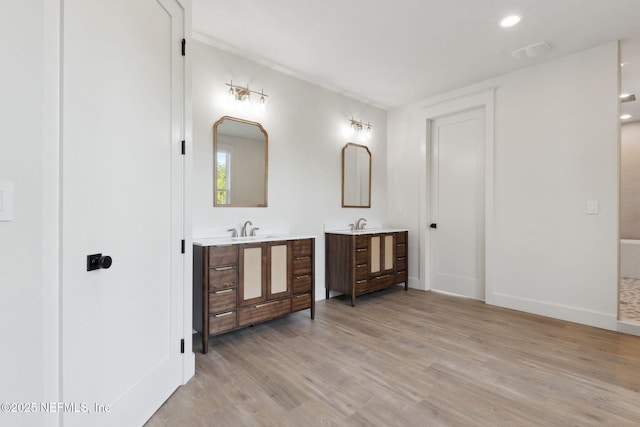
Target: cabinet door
point(382, 253)
point(252, 283)
point(279, 260)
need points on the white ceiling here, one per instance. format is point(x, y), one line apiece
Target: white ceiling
point(389, 53)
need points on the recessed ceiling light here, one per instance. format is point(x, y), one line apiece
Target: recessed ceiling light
point(625, 116)
point(510, 21)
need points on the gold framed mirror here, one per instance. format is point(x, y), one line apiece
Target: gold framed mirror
point(240, 159)
point(356, 176)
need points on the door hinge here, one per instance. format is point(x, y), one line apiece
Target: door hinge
point(182, 345)
point(182, 248)
point(184, 147)
point(184, 47)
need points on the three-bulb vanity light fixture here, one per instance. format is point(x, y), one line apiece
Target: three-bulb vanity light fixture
point(358, 127)
point(243, 94)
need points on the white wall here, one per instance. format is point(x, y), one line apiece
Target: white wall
point(307, 128)
point(556, 146)
point(22, 363)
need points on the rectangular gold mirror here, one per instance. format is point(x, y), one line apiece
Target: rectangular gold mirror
point(356, 176)
point(240, 150)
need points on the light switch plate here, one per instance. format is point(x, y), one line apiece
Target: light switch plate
point(6, 201)
point(592, 207)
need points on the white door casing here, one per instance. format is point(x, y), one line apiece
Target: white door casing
point(457, 204)
point(122, 186)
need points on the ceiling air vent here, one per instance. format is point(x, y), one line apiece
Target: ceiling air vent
point(628, 98)
point(531, 51)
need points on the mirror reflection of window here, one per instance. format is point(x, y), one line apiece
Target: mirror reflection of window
point(240, 169)
point(223, 177)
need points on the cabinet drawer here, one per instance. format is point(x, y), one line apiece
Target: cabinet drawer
point(380, 282)
point(302, 283)
point(401, 250)
point(222, 322)
point(260, 312)
point(362, 241)
point(401, 263)
point(401, 237)
point(362, 255)
point(223, 255)
point(301, 265)
point(222, 300)
point(362, 270)
point(300, 302)
point(223, 277)
point(401, 276)
point(361, 286)
point(302, 248)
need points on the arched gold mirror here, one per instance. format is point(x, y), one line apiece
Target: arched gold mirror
point(240, 150)
point(356, 176)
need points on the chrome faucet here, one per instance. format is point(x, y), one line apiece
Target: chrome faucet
point(244, 228)
point(253, 230)
point(360, 226)
point(234, 232)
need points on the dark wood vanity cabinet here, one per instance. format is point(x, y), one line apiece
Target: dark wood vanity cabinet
point(357, 264)
point(243, 284)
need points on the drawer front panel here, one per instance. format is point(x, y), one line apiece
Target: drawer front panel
point(401, 237)
point(362, 270)
point(401, 276)
point(223, 277)
point(302, 283)
point(362, 255)
point(260, 312)
point(300, 302)
point(380, 282)
point(362, 241)
point(302, 248)
point(222, 322)
point(401, 263)
point(301, 265)
point(222, 300)
point(401, 250)
point(361, 286)
point(223, 255)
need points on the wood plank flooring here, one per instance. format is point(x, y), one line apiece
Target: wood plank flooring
point(412, 359)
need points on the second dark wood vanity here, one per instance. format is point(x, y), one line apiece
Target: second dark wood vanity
point(360, 263)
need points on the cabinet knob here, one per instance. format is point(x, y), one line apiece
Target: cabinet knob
point(434, 225)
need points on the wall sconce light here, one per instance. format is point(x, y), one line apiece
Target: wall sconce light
point(358, 126)
point(243, 94)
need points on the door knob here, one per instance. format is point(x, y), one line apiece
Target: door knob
point(434, 225)
point(96, 261)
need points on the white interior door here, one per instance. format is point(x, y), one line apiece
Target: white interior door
point(122, 196)
point(457, 204)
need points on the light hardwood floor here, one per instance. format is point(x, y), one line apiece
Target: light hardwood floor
point(412, 359)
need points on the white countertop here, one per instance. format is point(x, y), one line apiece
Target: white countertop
point(366, 231)
point(218, 241)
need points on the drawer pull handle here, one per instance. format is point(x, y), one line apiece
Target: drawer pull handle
point(402, 258)
point(361, 249)
point(304, 275)
point(302, 257)
point(266, 304)
point(226, 291)
point(361, 265)
point(228, 313)
point(302, 296)
point(361, 281)
point(382, 277)
point(400, 244)
point(223, 268)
